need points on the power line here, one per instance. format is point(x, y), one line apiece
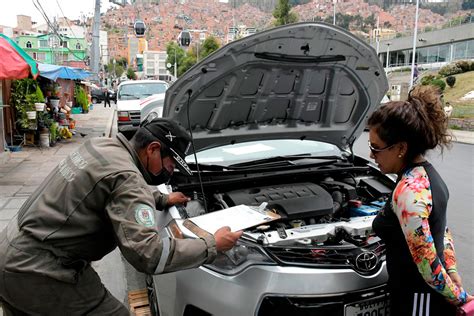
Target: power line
point(40, 9)
point(65, 18)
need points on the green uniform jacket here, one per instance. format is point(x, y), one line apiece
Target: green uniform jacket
point(95, 199)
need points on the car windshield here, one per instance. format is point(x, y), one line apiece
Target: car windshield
point(257, 150)
point(141, 90)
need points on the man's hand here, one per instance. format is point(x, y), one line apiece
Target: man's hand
point(225, 239)
point(177, 198)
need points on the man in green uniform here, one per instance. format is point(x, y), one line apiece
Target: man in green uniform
point(99, 198)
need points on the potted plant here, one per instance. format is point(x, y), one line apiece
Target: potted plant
point(53, 134)
point(24, 94)
point(81, 99)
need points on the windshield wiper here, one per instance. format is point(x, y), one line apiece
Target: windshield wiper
point(286, 160)
point(128, 95)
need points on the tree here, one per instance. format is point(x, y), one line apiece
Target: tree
point(122, 61)
point(209, 46)
point(131, 74)
point(173, 50)
point(283, 14)
point(370, 21)
point(118, 70)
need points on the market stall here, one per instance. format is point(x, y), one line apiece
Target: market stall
point(15, 63)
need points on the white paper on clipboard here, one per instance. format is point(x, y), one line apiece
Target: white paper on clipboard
point(237, 218)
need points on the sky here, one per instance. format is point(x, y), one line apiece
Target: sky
point(72, 9)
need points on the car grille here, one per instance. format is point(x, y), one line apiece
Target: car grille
point(135, 115)
point(302, 306)
point(365, 260)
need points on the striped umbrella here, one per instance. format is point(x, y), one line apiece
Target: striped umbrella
point(15, 63)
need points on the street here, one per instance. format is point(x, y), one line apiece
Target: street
point(456, 166)
point(20, 176)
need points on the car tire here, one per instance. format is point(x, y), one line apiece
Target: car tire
point(95, 100)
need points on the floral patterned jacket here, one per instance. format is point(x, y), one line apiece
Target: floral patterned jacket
point(412, 203)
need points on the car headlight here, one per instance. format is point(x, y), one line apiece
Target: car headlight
point(243, 255)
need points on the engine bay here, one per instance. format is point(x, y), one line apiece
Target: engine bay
point(328, 210)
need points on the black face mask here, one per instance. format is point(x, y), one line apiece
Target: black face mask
point(163, 177)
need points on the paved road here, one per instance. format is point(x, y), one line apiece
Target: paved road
point(456, 166)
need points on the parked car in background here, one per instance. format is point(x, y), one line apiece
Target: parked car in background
point(273, 118)
point(98, 95)
point(129, 96)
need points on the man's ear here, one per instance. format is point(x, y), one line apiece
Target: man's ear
point(152, 147)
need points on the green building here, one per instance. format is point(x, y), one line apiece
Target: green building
point(50, 49)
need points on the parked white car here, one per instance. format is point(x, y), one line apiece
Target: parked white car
point(152, 105)
point(129, 96)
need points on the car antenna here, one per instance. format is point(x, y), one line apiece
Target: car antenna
point(189, 92)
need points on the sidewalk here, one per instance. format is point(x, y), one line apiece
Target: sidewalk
point(465, 137)
point(23, 171)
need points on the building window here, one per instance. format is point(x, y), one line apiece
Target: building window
point(28, 44)
point(443, 53)
point(41, 56)
point(63, 44)
point(78, 46)
point(43, 43)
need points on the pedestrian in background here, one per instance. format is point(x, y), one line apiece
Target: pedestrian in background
point(99, 198)
point(416, 72)
point(107, 98)
point(421, 262)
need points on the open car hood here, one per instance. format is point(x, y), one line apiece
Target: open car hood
point(298, 81)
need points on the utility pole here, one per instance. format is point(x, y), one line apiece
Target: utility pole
point(95, 51)
point(414, 45)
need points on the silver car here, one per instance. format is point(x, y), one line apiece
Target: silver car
point(273, 119)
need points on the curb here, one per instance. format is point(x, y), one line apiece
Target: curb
point(108, 127)
point(463, 137)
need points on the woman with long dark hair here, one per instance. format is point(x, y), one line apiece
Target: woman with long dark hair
point(421, 262)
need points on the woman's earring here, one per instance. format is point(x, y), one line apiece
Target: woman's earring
point(400, 155)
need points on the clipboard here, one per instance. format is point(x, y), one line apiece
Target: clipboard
point(237, 218)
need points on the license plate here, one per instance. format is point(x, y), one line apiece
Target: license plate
point(378, 306)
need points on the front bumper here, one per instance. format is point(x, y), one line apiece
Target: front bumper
point(259, 290)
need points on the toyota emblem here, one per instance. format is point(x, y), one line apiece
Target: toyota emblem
point(366, 261)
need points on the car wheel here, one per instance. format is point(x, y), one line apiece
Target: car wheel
point(152, 299)
point(95, 100)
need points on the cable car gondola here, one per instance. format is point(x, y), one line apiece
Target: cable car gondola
point(139, 28)
point(184, 38)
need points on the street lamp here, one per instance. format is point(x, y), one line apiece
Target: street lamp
point(334, 12)
point(415, 34)
point(175, 66)
point(388, 54)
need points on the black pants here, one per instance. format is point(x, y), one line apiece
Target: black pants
point(36, 294)
point(420, 304)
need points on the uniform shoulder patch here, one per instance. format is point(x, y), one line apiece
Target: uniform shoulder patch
point(144, 215)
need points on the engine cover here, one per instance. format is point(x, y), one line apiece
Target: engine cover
point(295, 200)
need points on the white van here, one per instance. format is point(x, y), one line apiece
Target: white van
point(129, 96)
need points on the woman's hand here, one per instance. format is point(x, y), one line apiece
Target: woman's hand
point(469, 298)
point(456, 278)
